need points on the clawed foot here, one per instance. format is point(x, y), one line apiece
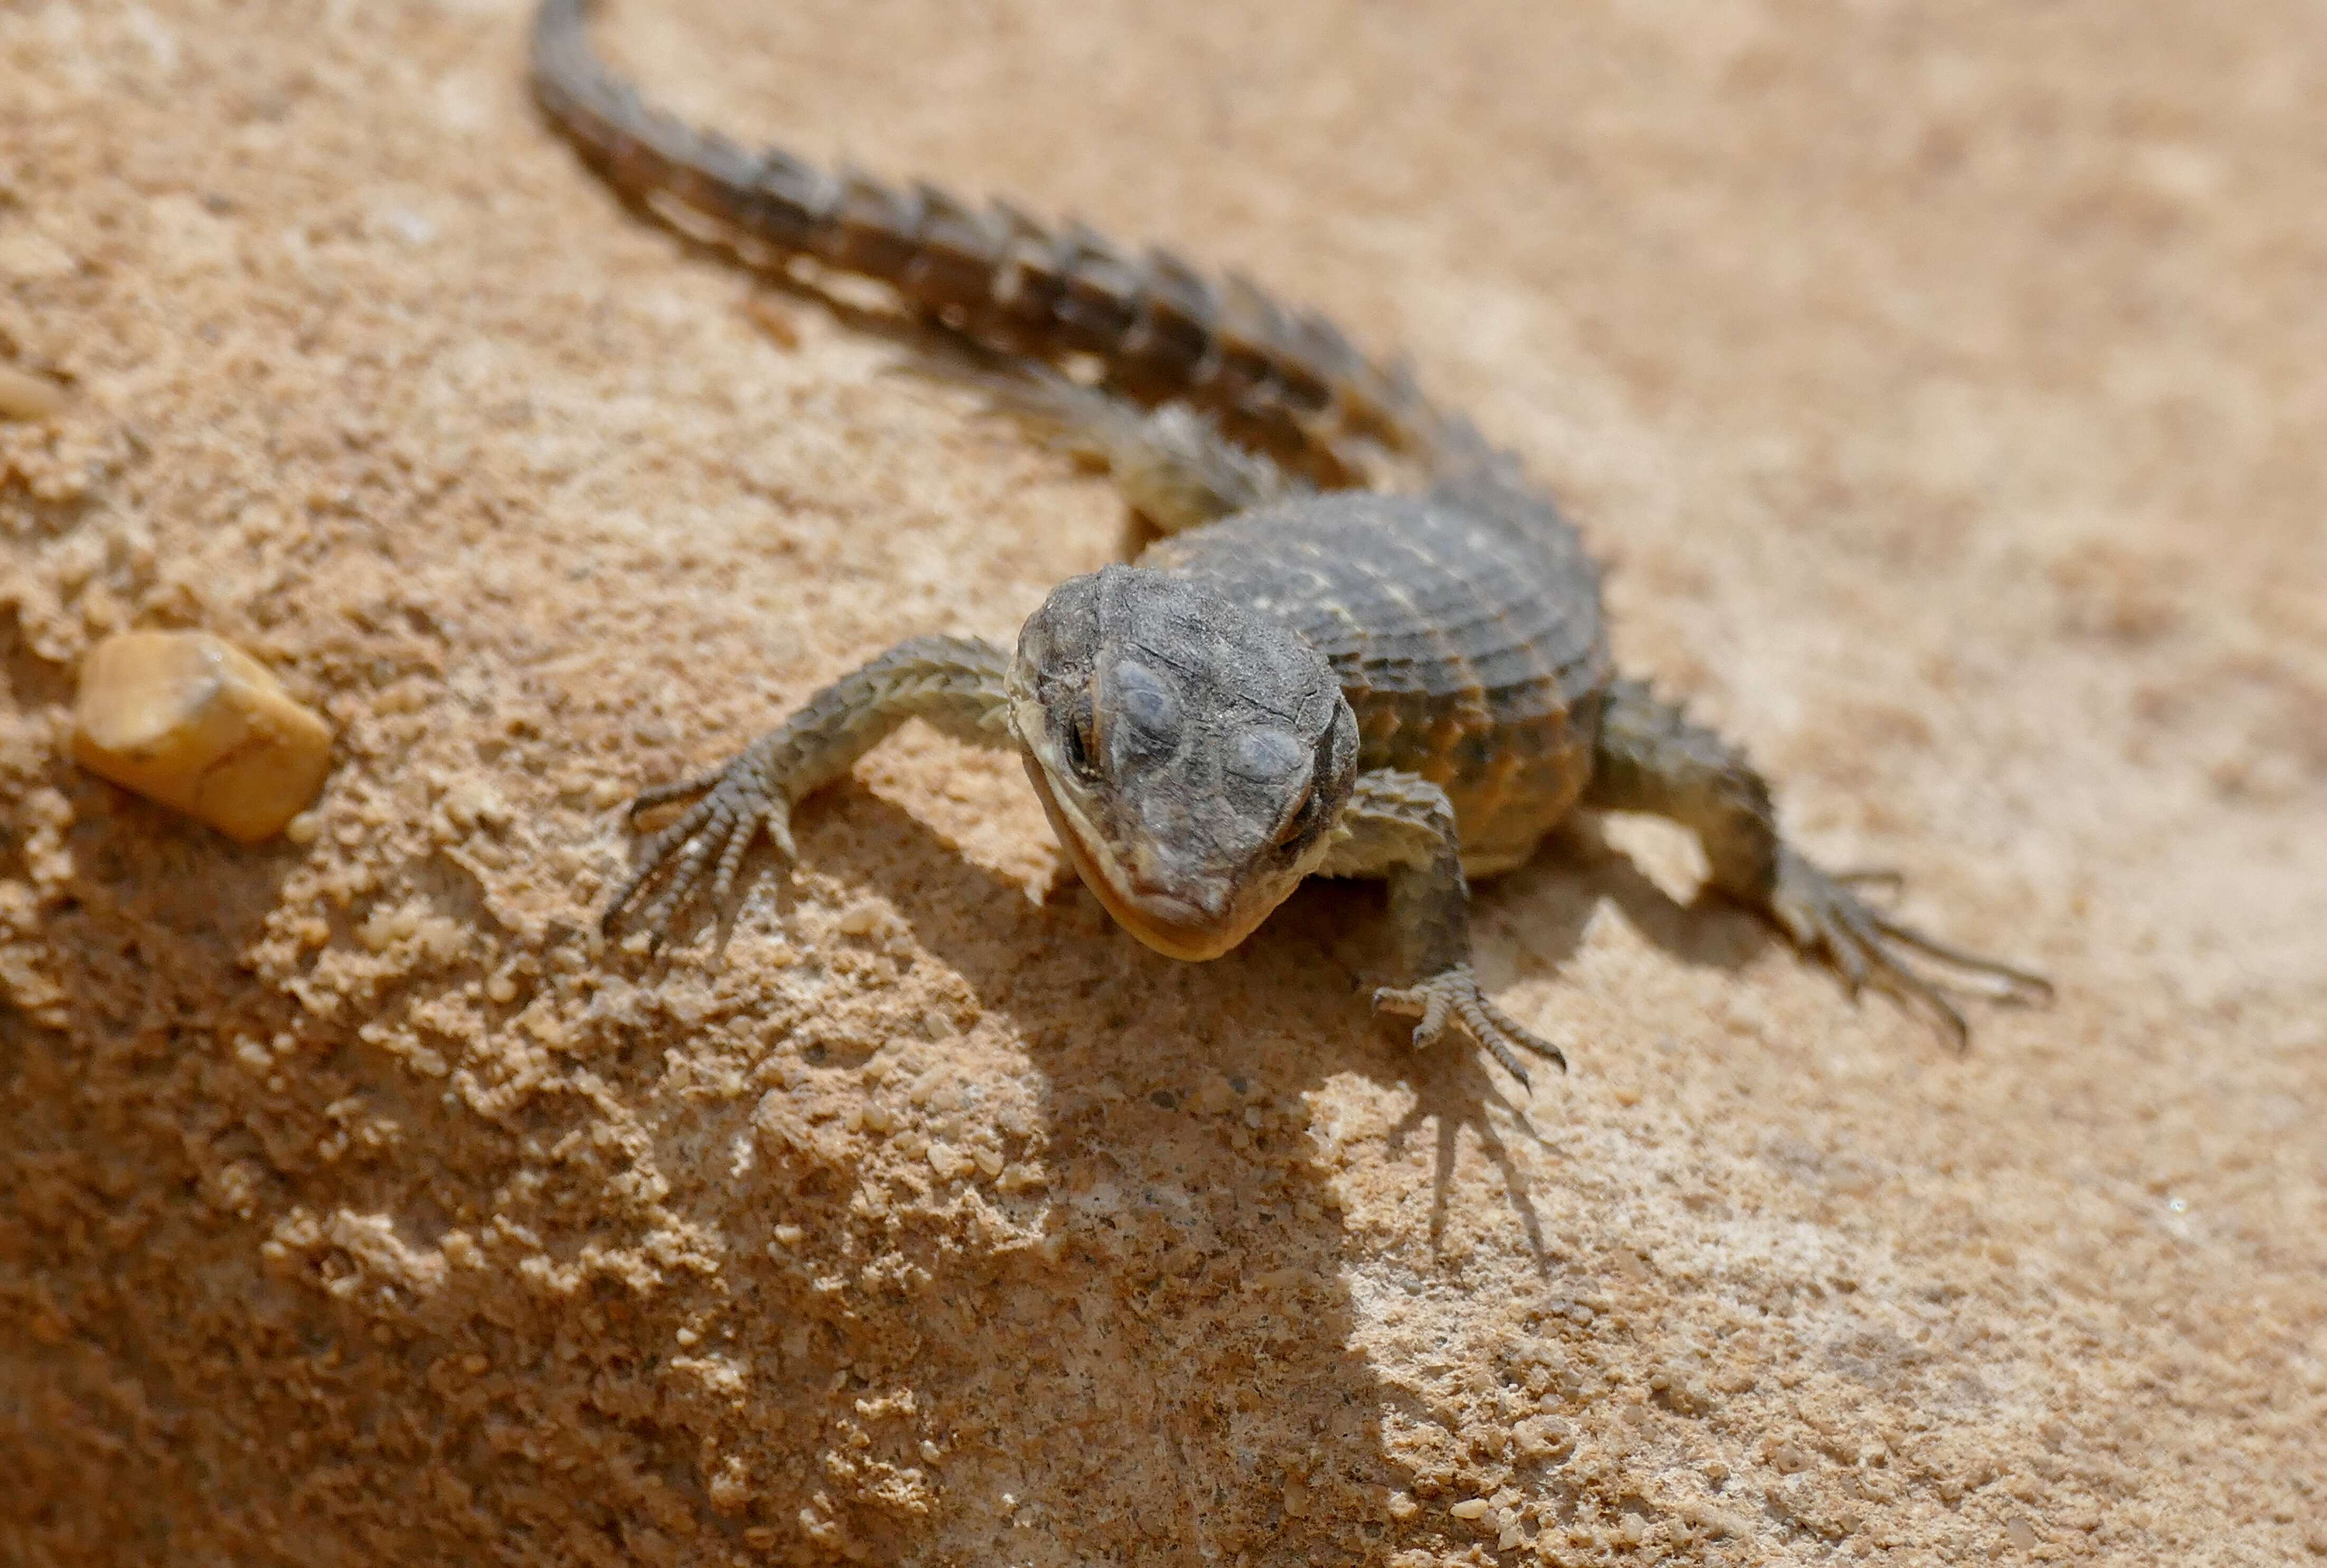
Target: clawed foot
point(1452, 994)
point(1823, 913)
point(739, 801)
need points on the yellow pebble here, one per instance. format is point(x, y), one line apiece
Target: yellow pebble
point(191, 720)
point(28, 397)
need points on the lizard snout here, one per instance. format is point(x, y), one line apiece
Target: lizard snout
point(1176, 890)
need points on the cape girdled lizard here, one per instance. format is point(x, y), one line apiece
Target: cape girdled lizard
point(1304, 676)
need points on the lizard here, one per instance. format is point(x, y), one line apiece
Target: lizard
point(1309, 672)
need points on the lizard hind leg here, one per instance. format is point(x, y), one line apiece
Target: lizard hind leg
point(1821, 911)
point(1173, 464)
point(1650, 758)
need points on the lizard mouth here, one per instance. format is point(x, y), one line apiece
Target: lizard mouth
point(1169, 924)
point(1157, 919)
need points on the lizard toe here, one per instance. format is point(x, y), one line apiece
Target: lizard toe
point(1867, 945)
point(1427, 1001)
point(708, 843)
point(1454, 994)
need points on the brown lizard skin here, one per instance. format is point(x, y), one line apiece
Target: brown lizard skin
point(1338, 681)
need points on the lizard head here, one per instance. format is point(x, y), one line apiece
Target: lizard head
point(1194, 756)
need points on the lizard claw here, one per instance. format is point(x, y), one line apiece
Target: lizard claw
point(1822, 913)
point(739, 801)
point(1454, 993)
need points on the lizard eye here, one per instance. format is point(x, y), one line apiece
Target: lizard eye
point(1148, 705)
point(1081, 739)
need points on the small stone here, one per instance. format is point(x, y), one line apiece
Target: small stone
point(191, 720)
point(730, 1487)
point(28, 397)
point(1023, 1176)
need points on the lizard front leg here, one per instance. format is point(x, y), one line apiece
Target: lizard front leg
point(954, 683)
point(1400, 827)
point(1650, 758)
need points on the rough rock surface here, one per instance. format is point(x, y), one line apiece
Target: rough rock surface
point(1947, 387)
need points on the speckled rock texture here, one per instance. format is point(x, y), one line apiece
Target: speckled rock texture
point(1945, 385)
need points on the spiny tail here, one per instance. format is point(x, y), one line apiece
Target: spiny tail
point(1162, 330)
